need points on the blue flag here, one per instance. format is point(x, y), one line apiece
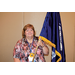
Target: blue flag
point(52, 34)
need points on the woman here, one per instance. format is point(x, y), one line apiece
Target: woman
point(27, 46)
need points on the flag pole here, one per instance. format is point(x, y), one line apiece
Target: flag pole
point(35, 51)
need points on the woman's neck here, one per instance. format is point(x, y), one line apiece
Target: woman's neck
point(30, 39)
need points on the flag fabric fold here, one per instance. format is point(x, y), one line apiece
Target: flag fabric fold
point(52, 34)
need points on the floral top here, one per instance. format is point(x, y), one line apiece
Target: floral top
point(22, 50)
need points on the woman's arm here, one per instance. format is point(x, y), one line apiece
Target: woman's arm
point(16, 60)
point(45, 50)
point(16, 52)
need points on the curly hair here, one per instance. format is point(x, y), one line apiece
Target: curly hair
point(25, 28)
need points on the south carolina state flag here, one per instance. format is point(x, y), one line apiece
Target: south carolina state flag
point(52, 34)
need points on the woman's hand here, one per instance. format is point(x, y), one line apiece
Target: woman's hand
point(40, 43)
point(45, 48)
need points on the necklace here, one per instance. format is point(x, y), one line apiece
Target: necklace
point(30, 47)
point(30, 57)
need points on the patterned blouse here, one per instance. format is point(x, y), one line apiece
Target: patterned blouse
point(22, 50)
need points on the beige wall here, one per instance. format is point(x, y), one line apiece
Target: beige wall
point(68, 23)
point(11, 24)
point(10, 31)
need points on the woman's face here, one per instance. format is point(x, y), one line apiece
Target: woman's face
point(29, 32)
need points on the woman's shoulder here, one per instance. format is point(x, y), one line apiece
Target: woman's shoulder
point(20, 41)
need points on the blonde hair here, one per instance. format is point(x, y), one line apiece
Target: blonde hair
point(25, 28)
